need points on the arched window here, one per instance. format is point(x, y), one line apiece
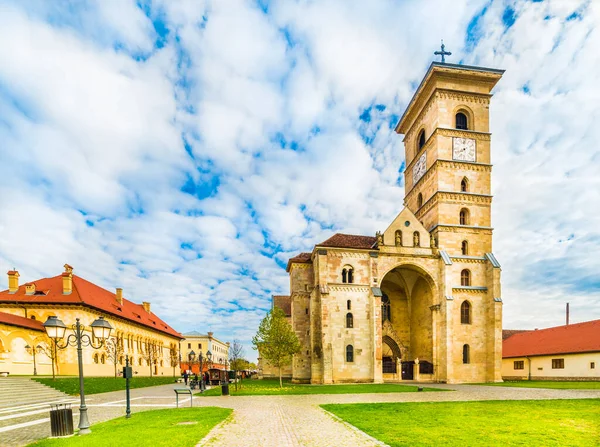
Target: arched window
point(344, 276)
point(398, 238)
point(349, 305)
point(461, 121)
point(465, 313)
point(386, 313)
point(103, 359)
point(349, 353)
point(466, 354)
point(32, 317)
point(464, 216)
point(121, 360)
point(421, 139)
point(419, 200)
point(416, 239)
point(350, 275)
point(96, 358)
point(465, 278)
point(464, 248)
point(349, 320)
point(464, 185)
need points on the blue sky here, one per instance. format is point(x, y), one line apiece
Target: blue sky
point(184, 150)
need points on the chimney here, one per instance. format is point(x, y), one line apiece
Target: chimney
point(567, 314)
point(119, 295)
point(67, 278)
point(13, 281)
point(146, 305)
point(29, 289)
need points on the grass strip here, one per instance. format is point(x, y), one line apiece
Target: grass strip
point(480, 423)
point(95, 385)
point(558, 385)
point(183, 427)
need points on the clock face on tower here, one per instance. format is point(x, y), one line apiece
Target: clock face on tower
point(419, 168)
point(463, 149)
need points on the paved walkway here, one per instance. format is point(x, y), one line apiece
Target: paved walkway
point(280, 421)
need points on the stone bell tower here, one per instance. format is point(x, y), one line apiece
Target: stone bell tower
point(448, 188)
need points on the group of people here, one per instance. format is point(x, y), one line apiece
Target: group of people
point(193, 378)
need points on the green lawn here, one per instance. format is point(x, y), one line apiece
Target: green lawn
point(95, 385)
point(155, 428)
point(566, 385)
point(271, 387)
point(491, 423)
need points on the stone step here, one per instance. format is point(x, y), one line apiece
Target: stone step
point(4, 402)
point(23, 391)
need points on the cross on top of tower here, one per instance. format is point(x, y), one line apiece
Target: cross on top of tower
point(443, 52)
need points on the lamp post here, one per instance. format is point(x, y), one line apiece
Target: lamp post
point(37, 350)
point(56, 329)
point(191, 358)
point(201, 359)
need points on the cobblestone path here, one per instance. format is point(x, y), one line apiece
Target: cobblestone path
point(278, 421)
point(281, 421)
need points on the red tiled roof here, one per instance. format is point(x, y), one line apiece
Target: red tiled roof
point(510, 332)
point(574, 338)
point(49, 291)
point(349, 241)
point(284, 302)
point(15, 320)
point(302, 258)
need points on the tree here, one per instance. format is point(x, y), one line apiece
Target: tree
point(236, 352)
point(48, 346)
point(174, 356)
point(114, 351)
point(276, 340)
point(151, 354)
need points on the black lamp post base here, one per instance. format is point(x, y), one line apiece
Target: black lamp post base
point(84, 423)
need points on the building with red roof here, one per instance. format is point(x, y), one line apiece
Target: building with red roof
point(151, 343)
point(564, 352)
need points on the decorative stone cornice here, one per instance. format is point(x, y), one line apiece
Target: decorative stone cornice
point(474, 98)
point(349, 288)
point(462, 198)
point(348, 254)
point(300, 266)
point(464, 133)
point(451, 228)
point(469, 259)
point(470, 289)
point(435, 307)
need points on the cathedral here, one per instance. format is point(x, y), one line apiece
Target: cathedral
point(420, 300)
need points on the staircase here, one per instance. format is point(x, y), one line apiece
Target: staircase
point(21, 391)
point(25, 410)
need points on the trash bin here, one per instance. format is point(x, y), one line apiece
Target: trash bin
point(225, 390)
point(61, 419)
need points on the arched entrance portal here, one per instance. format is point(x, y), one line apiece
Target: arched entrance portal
point(391, 355)
point(407, 332)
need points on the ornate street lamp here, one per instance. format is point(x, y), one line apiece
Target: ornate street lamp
point(56, 329)
point(33, 351)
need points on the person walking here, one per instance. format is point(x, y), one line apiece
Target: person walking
point(185, 377)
